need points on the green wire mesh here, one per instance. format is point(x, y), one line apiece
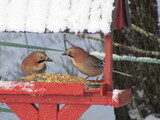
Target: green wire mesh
point(27, 46)
point(115, 57)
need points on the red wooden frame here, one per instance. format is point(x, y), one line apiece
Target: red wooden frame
point(120, 19)
point(20, 97)
point(108, 61)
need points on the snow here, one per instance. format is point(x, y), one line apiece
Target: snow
point(101, 56)
point(151, 117)
point(28, 87)
point(140, 93)
point(56, 15)
point(5, 86)
point(36, 18)
point(135, 114)
point(17, 16)
point(116, 92)
point(11, 85)
point(136, 59)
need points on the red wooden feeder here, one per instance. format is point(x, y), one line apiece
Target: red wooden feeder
point(21, 96)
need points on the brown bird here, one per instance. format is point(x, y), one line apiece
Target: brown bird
point(84, 62)
point(88, 64)
point(35, 63)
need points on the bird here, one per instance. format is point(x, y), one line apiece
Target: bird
point(35, 63)
point(84, 62)
point(88, 64)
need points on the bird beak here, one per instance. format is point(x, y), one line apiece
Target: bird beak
point(64, 54)
point(49, 59)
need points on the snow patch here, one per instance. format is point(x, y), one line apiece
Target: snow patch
point(100, 55)
point(28, 87)
point(8, 85)
point(135, 114)
point(135, 59)
point(140, 93)
point(56, 15)
point(40, 90)
point(116, 92)
point(151, 117)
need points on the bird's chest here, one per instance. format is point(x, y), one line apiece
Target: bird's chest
point(77, 63)
point(74, 62)
point(80, 65)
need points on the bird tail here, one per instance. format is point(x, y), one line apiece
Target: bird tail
point(122, 73)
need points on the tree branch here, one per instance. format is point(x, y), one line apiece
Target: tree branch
point(145, 33)
point(132, 49)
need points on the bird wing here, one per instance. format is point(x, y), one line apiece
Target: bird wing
point(93, 61)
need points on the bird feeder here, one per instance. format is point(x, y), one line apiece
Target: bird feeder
point(21, 96)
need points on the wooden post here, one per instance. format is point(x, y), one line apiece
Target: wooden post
point(72, 112)
point(24, 111)
point(108, 62)
point(48, 111)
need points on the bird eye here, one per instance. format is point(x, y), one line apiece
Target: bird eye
point(70, 53)
point(41, 58)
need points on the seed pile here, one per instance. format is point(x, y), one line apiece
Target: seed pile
point(52, 78)
point(58, 78)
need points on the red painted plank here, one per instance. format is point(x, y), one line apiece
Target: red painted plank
point(48, 111)
point(41, 88)
point(108, 62)
point(72, 112)
point(86, 99)
point(90, 98)
point(92, 91)
point(24, 111)
point(125, 97)
point(103, 89)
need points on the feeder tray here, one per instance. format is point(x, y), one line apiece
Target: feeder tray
point(59, 78)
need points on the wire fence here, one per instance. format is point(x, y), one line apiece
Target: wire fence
point(115, 57)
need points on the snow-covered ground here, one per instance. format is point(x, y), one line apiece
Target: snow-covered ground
point(151, 117)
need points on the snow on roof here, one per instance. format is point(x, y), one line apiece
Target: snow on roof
point(56, 15)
